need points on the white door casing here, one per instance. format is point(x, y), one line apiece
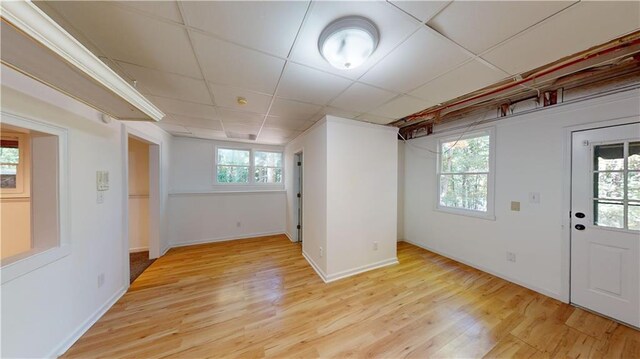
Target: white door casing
point(605, 221)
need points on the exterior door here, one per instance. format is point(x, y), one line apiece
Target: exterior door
point(605, 221)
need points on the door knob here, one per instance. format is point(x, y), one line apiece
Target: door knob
point(580, 227)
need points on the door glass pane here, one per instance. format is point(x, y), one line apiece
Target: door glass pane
point(609, 157)
point(608, 214)
point(468, 191)
point(633, 186)
point(634, 156)
point(634, 216)
point(608, 185)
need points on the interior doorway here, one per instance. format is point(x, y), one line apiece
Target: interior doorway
point(299, 194)
point(142, 158)
point(605, 221)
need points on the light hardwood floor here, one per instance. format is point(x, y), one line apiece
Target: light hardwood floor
point(259, 298)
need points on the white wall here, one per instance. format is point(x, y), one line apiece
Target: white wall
point(47, 309)
point(313, 144)
point(202, 211)
point(362, 196)
point(530, 157)
point(138, 195)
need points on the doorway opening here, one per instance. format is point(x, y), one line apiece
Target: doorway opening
point(299, 194)
point(605, 221)
point(142, 197)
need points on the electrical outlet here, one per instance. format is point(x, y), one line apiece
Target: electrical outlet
point(511, 257)
point(375, 246)
point(321, 252)
point(100, 280)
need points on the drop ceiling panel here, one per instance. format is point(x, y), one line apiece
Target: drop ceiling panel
point(479, 25)
point(401, 106)
point(338, 112)
point(310, 85)
point(207, 133)
point(275, 136)
point(270, 26)
point(293, 109)
point(381, 120)
point(179, 107)
point(421, 10)
point(581, 26)
point(393, 25)
point(240, 128)
point(230, 116)
point(228, 64)
point(168, 85)
point(208, 123)
point(173, 128)
point(287, 124)
point(227, 96)
point(424, 56)
point(362, 98)
point(125, 35)
point(467, 78)
point(165, 9)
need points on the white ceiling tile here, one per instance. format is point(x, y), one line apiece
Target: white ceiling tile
point(208, 123)
point(241, 128)
point(401, 106)
point(270, 26)
point(293, 109)
point(338, 112)
point(227, 96)
point(172, 128)
point(393, 25)
point(208, 133)
point(381, 120)
point(478, 25)
point(178, 107)
point(422, 57)
point(230, 116)
point(277, 136)
point(467, 78)
point(286, 124)
point(169, 85)
point(310, 85)
point(228, 64)
point(362, 98)
point(125, 35)
point(421, 10)
point(165, 9)
point(577, 28)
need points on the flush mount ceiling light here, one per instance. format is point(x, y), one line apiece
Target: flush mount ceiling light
point(348, 42)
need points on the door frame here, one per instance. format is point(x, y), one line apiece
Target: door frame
point(298, 178)
point(155, 184)
point(565, 272)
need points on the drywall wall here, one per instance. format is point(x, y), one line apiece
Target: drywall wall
point(223, 211)
point(362, 196)
point(531, 156)
point(138, 195)
point(47, 309)
point(313, 144)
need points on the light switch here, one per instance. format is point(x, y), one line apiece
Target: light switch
point(515, 206)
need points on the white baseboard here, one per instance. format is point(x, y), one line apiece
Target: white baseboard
point(290, 237)
point(71, 339)
point(138, 249)
point(224, 239)
point(492, 272)
point(349, 272)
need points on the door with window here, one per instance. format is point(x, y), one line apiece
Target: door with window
point(605, 220)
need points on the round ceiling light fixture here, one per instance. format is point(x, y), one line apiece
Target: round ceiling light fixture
point(348, 42)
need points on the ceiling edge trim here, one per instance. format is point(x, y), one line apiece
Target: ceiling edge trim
point(28, 18)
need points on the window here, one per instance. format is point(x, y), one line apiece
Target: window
point(465, 182)
point(10, 164)
point(616, 185)
point(233, 165)
point(268, 167)
point(246, 166)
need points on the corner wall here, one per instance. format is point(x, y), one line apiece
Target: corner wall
point(531, 156)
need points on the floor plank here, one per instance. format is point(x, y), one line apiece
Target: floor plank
point(259, 298)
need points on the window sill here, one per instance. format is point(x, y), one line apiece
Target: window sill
point(26, 262)
point(466, 213)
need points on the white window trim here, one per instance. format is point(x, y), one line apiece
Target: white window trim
point(252, 167)
point(38, 257)
point(490, 213)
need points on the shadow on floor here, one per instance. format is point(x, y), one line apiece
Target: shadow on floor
point(138, 262)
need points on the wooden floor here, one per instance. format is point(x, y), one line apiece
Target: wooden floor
point(260, 298)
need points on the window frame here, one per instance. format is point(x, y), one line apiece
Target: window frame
point(20, 169)
point(489, 214)
point(252, 167)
